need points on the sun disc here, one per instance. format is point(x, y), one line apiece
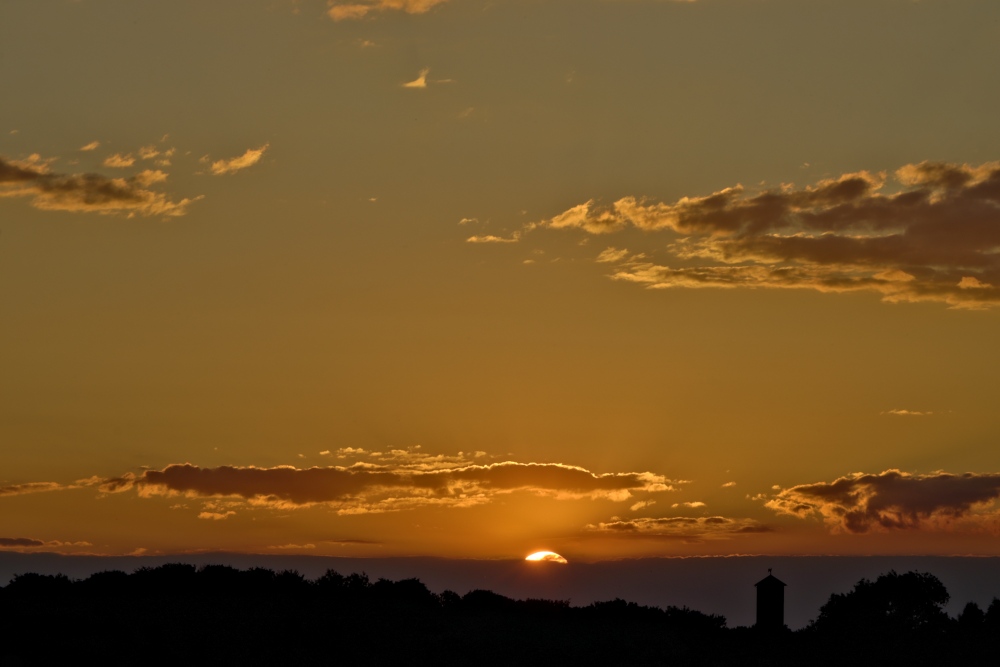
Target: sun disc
point(546, 557)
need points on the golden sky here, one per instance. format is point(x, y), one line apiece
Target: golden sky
point(479, 278)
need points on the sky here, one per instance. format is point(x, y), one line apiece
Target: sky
point(478, 278)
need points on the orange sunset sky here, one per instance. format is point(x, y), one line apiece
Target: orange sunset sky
point(478, 278)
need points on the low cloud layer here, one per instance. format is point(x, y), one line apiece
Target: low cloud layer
point(891, 500)
point(680, 527)
point(929, 233)
point(8, 542)
point(372, 487)
point(30, 543)
point(87, 193)
point(345, 11)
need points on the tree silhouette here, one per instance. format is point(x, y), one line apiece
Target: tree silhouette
point(893, 603)
point(896, 619)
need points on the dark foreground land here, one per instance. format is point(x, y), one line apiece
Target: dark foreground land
point(217, 615)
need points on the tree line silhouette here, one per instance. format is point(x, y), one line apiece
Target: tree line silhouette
point(177, 614)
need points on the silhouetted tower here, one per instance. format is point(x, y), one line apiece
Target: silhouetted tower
point(770, 602)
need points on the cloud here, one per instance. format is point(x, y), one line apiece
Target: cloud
point(347, 543)
point(906, 413)
point(92, 146)
point(293, 547)
point(343, 11)
point(119, 161)
point(150, 177)
point(859, 503)
point(679, 527)
point(728, 485)
point(29, 543)
point(20, 542)
point(642, 504)
point(489, 238)
point(693, 504)
point(374, 487)
point(412, 458)
point(33, 162)
point(232, 165)
point(216, 516)
point(420, 81)
point(30, 487)
point(349, 451)
point(929, 233)
point(87, 193)
point(612, 255)
point(148, 152)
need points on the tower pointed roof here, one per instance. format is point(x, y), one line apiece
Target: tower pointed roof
point(770, 580)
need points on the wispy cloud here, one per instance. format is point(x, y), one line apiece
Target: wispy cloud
point(343, 11)
point(148, 152)
point(92, 146)
point(859, 503)
point(420, 81)
point(119, 160)
point(293, 547)
point(88, 193)
point(251, 157)
point(931, 233)
point(30, 487)
point(680, 527)
point(30, 543)
point(611, 255)
point(907, 413)
point(490, 238)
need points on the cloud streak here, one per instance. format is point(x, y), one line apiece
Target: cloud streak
point(931, 232)
point(30, 543)
point(87, 193)
point(119, 161)
point(891, 500)
point(346, 11)
point(30, 487)
point(680, 527)
point(490, 238)
point(251, 157)
point(420, 81)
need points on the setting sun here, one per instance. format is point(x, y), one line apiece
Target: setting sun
point(547, 556)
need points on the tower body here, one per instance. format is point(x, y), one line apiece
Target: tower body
point(770, 603)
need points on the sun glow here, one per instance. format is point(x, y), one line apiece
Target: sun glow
point(546, 556)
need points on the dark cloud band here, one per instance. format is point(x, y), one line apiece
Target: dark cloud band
point(368, 487)
point(892, 500)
